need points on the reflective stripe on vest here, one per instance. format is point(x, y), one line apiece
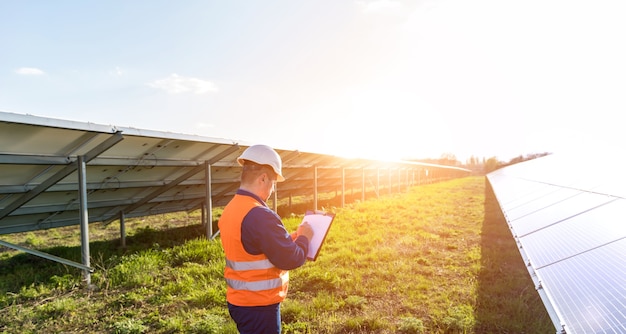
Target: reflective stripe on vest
point(255, 286)
point(249, 265)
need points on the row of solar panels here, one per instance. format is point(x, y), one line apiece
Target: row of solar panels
point(567, 216)
point(139, 172)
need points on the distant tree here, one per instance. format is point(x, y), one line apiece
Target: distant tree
point(473, 162)
point(522, 158)
point(515, 160)
point(448, 159)
point(491, 164)
point(479, 165)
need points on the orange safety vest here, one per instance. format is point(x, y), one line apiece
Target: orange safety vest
point(251, 280)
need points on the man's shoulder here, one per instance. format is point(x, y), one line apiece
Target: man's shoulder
point(264, 214)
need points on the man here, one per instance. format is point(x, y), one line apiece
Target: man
point(259, 250)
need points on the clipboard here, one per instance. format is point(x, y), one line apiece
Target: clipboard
point(320, 222)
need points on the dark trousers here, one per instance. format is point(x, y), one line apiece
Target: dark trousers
point(256, 319)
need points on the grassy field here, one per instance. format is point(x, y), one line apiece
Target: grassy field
point(438, 259)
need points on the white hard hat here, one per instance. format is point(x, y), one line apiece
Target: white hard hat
point(263, 155)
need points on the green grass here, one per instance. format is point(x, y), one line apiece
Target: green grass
point(438, 259)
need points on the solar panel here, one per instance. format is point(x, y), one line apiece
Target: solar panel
point(133, 173)
point(567, 218)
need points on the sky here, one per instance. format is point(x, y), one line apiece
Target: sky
point(373, 79)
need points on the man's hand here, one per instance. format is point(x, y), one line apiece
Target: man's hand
point(306, 230)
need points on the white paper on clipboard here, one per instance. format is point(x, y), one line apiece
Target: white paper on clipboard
point(320, 222)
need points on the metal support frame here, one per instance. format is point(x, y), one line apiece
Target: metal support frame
point(159, 191)
point(46, 256)
point(80, 167)
point(174, 183)
point(343, 187)
point(84, 218)
point(362, 184)
point(84, 231)
point(399, 181)
point(122, 230)
point(408, 180)
point(209, 201)
point(203, 219)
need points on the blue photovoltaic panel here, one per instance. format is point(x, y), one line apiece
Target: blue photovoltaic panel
point(589, 289)
point(569, 219)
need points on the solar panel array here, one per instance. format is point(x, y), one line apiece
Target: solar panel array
point(132, 173)
point(567, 216)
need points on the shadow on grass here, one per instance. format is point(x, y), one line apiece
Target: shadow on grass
point(507, 300)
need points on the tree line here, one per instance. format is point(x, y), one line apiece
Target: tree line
point(480, 166)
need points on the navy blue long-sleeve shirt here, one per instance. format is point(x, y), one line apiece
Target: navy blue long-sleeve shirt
point(263, 232)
